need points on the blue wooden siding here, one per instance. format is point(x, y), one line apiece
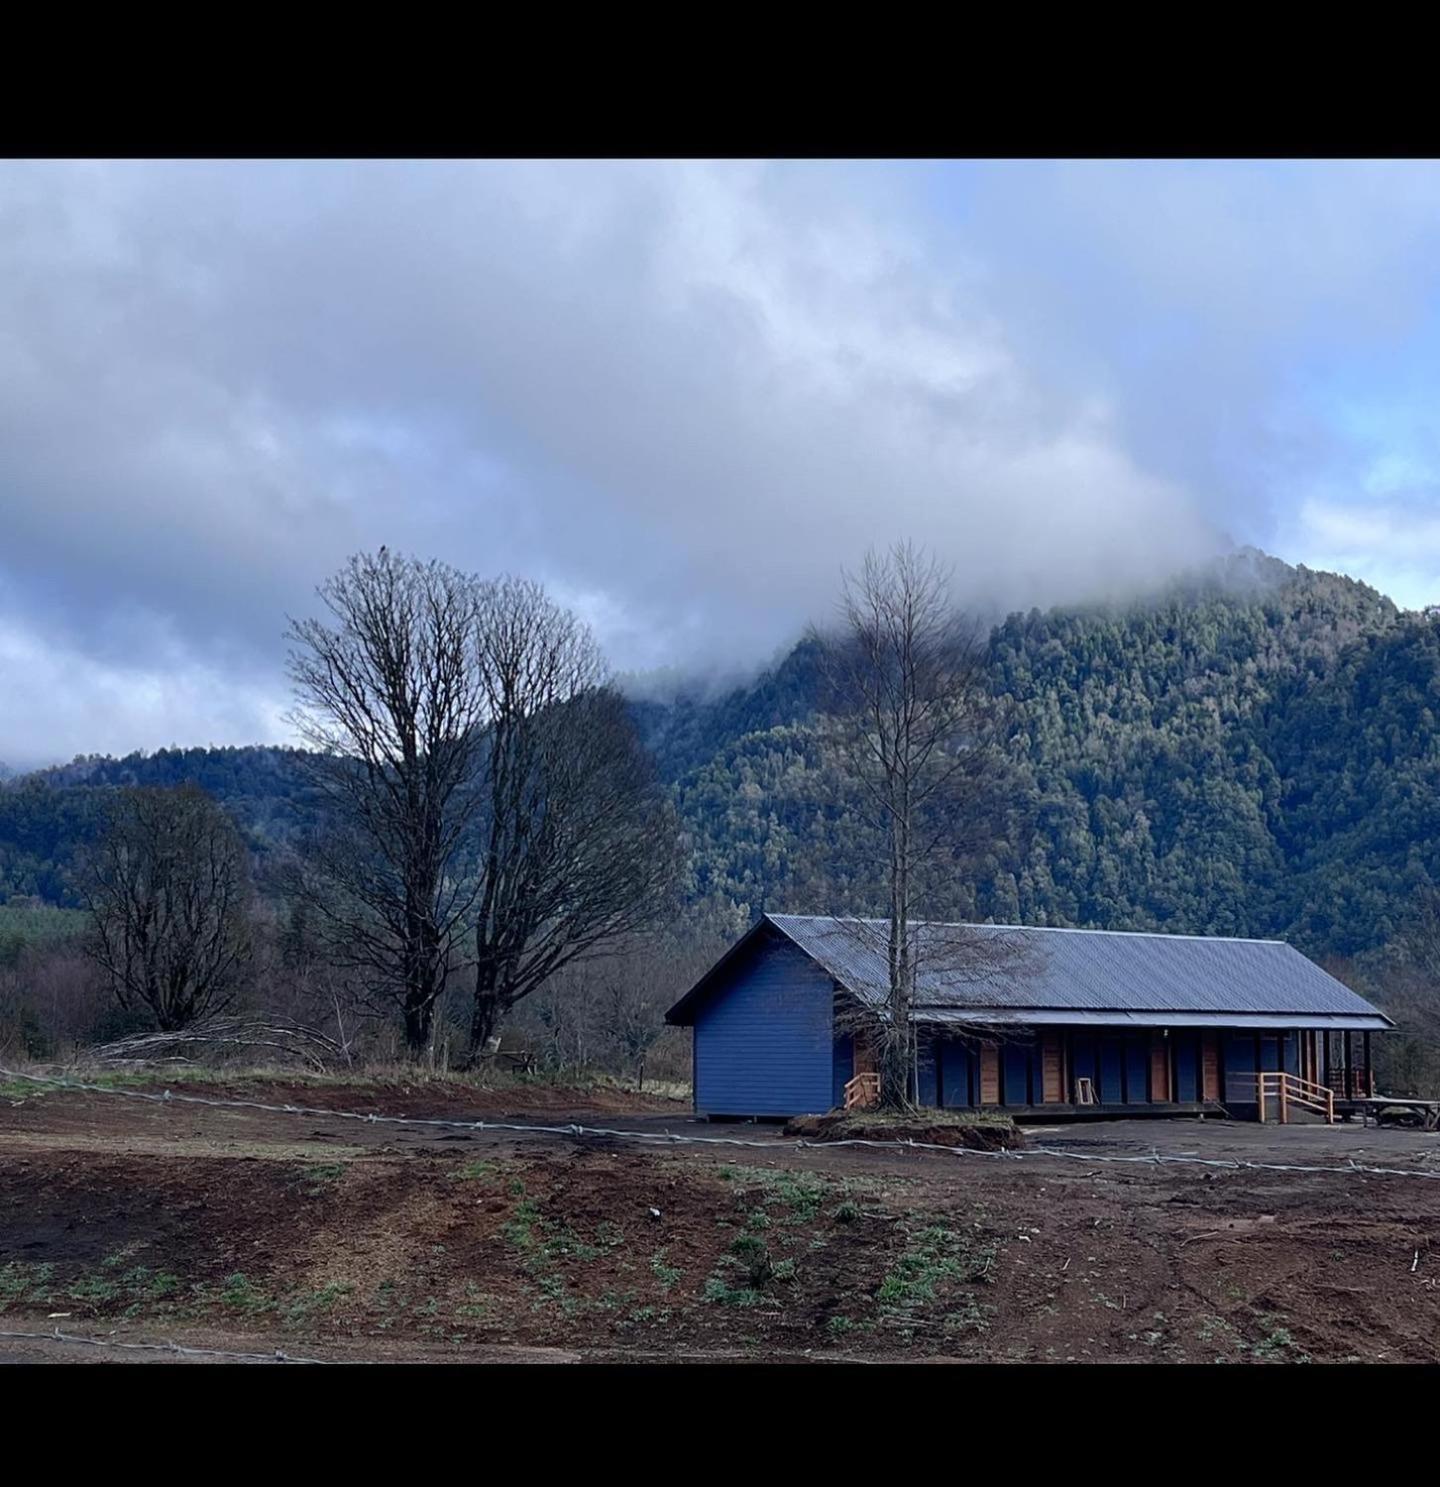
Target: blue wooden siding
point(1111, 1090)
point(1015, 1074)
point(1137, 1068)
point(955, 1062)
point(765, 1044)
point(1239, 1053)
point(1084, 1061)
point(1187, 1066)
point(925, 1061)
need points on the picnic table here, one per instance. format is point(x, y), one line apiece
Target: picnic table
point(1400, 1110)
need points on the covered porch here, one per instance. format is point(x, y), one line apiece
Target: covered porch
point(1087, 1070)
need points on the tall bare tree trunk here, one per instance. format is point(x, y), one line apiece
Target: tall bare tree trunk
point(390, 704)
point(908, 689)
point(581, 847)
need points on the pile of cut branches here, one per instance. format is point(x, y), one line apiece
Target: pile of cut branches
point(226, 1039)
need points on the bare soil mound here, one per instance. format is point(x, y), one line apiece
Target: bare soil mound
point(933, 1130)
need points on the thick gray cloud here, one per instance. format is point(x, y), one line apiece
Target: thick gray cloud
point(683, 395)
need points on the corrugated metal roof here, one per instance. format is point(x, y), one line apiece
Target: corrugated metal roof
point(1066, 1017)
point(990, 966)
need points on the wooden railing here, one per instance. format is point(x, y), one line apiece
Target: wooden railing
point(1352, 1084)
point(863, 1090)
point(1280, 1090)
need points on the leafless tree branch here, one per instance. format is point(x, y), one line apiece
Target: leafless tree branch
point(168, 892)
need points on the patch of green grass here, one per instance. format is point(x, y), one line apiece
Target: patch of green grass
point(23, 1284)
point(153, 1285)
point(1215, 1329)
point(300, 1307)
point(801, 1194)
point(239, 1292)
point(486, 1172)
point(969, 1316)
point(96, 1288)
point(550, 1245)
point(1277, 1345)
point(477, 1304)
point(751, 1253)
point(664, 1272)
point(935, 1259)
point(317, 1176)
point(719, 1292)
point(561, 1243)
point(519, 1229)
point(138, 1288)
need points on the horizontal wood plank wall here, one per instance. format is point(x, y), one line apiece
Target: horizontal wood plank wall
point(767, 1045)
point(1159, 1069)
point(989, 1074)
point(1052, 1070)
point(1209, 1066)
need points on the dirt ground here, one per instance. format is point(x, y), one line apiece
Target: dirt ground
point(244, 1231)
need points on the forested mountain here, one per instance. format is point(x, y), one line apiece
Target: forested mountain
point(1252, 751)
point(47, 817)
point(1164, 771)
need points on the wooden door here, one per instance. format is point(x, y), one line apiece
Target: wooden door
point(1209, 1066)
point(989, 1074)
point(1160, 1069)
point(1052, 1070)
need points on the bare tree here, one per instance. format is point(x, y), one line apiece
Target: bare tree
point(608, 1012)
point(580, 844)
point(168, 892)
point(391, 706)
point(1406, 983)
point(912, 717)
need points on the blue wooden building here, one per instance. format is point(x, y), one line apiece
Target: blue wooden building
point(1032, 1021)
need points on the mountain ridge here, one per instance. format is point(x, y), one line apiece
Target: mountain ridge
point(1252, 749)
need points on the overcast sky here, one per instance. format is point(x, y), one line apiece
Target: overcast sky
point(683, 395)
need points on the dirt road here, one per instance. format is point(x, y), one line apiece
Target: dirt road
point(250, 1232)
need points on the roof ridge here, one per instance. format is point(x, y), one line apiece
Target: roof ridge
point(1055, 929)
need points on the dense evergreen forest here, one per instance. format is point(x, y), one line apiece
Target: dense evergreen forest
point(1252, 751)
